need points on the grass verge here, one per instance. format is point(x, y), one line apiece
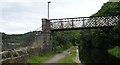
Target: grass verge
point(36, 60)
point(115, 51)
point(69, 59)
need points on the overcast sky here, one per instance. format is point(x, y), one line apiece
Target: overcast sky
point(21, 16)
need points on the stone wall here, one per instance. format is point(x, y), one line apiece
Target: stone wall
point(20, 57)
point(41, 44)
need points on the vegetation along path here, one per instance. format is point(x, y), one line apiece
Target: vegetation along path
point(60, 56)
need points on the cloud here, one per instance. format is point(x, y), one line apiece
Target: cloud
point(24, 1)
point(21, 16)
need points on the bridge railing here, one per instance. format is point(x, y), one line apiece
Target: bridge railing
point(83, 22)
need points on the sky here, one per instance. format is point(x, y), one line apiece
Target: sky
point(21, 16)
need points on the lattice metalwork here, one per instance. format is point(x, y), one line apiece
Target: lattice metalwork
point(84, 22)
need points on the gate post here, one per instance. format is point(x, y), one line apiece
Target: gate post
point(47, 45)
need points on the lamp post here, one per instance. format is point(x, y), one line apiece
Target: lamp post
point(48, 8)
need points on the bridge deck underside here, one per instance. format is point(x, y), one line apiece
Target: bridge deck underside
point(80, 28)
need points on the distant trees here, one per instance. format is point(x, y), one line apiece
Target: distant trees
point(22, 39)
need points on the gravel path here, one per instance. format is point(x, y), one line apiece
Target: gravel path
point(58, 57)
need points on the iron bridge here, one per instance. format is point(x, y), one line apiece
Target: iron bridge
point(83, 23)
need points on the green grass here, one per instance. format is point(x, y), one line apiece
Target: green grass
point(36, 60)
point(115, 51)
point(69, 59)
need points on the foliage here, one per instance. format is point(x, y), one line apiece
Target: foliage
point(117, 53)
point(65, 39)
point(95, 43)
point(110, 8)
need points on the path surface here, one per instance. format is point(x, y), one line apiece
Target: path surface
point(58, 57)
point(76, 58)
